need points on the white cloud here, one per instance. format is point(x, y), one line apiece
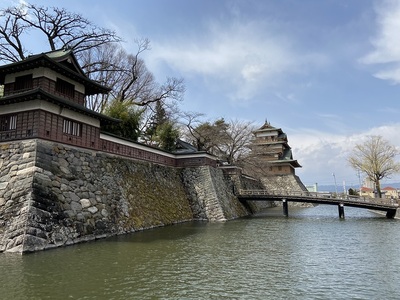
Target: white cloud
point(387, 46)
point(321, 153)
point(386, 52)
point(391, 73)
point(240, 58)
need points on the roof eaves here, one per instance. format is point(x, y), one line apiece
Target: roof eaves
point(38, 93)
point(44, 60)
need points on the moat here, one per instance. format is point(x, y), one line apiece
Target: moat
point(310, 255)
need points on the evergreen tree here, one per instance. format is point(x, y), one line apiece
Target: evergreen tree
point(167, 136)
point(129, 120)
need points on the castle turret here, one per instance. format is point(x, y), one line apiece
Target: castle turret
point(44, 97)
point(271, 148)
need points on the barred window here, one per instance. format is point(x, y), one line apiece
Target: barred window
point(72, 127)
point(65, 88)
point(8, 123)
point(23, 82)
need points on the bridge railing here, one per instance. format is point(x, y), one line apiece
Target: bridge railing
point(307, 194)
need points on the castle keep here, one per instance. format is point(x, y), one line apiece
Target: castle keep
point(272, 149)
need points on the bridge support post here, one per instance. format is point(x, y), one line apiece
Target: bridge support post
point(285, 208)
point(341, 210)
point(390, 214)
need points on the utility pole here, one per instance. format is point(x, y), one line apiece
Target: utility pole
point(334, 178)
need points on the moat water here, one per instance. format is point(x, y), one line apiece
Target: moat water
point(312, 254)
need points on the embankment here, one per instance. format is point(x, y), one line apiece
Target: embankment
point(53, 195)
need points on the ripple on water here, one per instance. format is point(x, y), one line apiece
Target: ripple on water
point(310, 255)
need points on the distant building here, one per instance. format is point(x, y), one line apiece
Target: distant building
point(272, 150)
point(312, 188)
point(367, 192)
point(390, 192)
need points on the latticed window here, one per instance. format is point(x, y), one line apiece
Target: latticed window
point(65, 88)
point(8, 122)
point(23, 82)
point(72, 127)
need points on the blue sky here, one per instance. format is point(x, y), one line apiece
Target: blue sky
point(325, 71)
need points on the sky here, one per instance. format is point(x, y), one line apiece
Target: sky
point(325, 71)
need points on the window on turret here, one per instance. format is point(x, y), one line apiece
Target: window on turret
point(65, 88)
point(23, 82)
point(8, 123)
point(72, 127)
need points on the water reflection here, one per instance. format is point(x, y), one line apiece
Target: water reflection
point(310, 255)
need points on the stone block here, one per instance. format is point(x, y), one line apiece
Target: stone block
point(70, 213)
point(27, 170)
point(65, 170)
point(76, 206)
point(80, 217)
point(3, 185)
point(93, 209)
point(33, 243)
point(74, 197)
point(85, 203)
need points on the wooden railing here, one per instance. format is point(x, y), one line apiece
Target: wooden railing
point(318, 195)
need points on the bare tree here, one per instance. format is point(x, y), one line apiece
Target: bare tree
point(236, 146)
point(376, 159)
point(97, 49)
point(190, 121)
point(227, 140)
point(57, 26)
point(128, 76)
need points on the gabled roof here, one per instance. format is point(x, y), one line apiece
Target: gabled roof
point(66, 57)
point(184, 147)
point(267, 127)
point(366, 189)
point(62, 61)
point(388, 188)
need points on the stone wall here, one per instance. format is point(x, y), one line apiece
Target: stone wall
point(285, 183)
point(249, 183)
point(211, 194)
point(53, 195)
point(17, 164)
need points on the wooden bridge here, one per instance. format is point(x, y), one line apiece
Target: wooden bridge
point(388, 205)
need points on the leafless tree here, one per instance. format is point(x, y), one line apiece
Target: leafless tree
point(57, 26)
point(236, 146)
point(227, 140)
point(128, 76)
point(190, 121)
point(376, 159)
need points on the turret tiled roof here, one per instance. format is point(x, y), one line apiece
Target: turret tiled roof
point(62, 61)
